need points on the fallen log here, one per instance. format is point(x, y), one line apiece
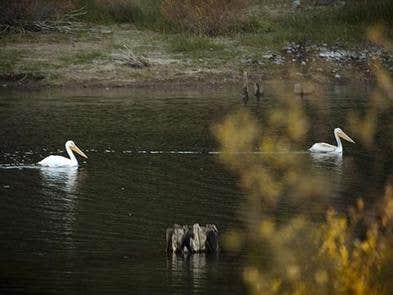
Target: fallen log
point(195, 239)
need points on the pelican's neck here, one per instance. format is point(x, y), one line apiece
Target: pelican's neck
point(339, 145)
point(71, 155)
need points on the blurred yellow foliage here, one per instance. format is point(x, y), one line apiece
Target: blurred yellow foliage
point(345, 253)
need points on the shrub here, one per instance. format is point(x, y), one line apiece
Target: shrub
point(368, 11)
point(144, 13)
point(207, 17)
point(34, 15)
point(110, 11)
point(24, 12)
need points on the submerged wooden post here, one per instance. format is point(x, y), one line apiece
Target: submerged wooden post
point(298, 89)
point(245, 96)
point(303, 89)
point(195, 239)
point(259, 91)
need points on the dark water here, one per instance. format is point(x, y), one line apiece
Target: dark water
point(100, 229)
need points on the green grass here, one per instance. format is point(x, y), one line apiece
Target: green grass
point(320, 26)
point(264, 29)
point(195, 45)
point(347, 24)
point(254, 24)
point(13, 67)
point(117, 12)
point(8, 59)
point(81, 58)
point(144, 14)
point(367, 12)
point(317, 25)
point(268, 22)
point(38, 67)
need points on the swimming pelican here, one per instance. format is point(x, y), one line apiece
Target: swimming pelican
point(59, 161)
point(322, 147)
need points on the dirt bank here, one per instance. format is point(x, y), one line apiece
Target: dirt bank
point(107, 57)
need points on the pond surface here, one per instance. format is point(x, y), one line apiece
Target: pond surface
point(100, 229)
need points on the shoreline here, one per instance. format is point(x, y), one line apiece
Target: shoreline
point(90, 59)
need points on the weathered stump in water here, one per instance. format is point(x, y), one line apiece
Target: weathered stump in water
point(245, 96)
point(195, 239)
point(258, 91)
point(303, 89)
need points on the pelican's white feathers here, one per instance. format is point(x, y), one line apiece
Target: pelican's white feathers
point(322, 147)
point(57, 161)
point(60, 161)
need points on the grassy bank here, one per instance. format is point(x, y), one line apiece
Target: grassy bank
point(82, 42)
point(271, 19)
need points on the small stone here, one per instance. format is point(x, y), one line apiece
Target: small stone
point(6, 186)
point(295, 4)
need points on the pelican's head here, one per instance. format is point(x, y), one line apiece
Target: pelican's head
point(342, 134)
point(70, 144)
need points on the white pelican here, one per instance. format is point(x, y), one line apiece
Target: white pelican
point(60, 161)
point(322, 147)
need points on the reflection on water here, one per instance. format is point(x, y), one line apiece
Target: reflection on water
point(59, 186)
point(328, 160)
point(191, 268)
point(331, 165)
point(64, 178)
